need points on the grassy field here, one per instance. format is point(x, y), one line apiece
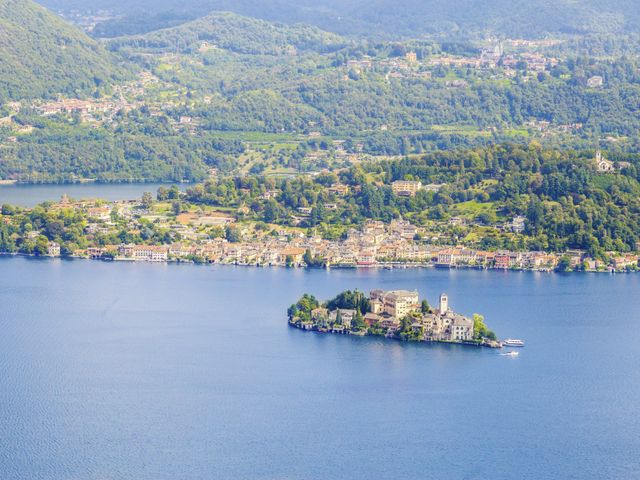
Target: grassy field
point(257, 137)
point(472, 209)
point(466, 130)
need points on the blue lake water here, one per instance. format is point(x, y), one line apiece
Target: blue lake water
point(144, 371)
point(31, 195)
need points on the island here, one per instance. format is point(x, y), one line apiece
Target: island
point(395, 314)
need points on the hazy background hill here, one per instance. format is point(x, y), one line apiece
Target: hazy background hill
point(41, 55)
point(528, 18)
point(238, 34)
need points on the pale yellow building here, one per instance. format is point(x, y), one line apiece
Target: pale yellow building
point(406, 188)
point(396, 303)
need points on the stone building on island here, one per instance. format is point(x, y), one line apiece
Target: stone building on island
point(443, 324)
point(396, 303)
point(397, 312)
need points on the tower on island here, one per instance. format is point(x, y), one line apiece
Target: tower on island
point(444, 303)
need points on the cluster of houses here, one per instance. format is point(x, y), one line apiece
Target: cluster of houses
point(375, 244)
point(87, 110)
point(288, 251)
point(520, 57)
point(496, 57)
point(388, 309)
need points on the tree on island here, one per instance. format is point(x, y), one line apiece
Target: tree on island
point(424, 307)
point(352, 300)
point(303, 307)
point(358, 323)
point(480, 329)
point(406, 331)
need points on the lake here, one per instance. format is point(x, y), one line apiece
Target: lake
point(154, 371)
point(31, 195)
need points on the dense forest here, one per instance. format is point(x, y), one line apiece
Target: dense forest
point(42, 56)
point(80, 154)
point(222, 30)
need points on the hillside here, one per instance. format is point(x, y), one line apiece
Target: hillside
point(42, 55)
point(238, 34)
point(393, 18)
point(526, 18)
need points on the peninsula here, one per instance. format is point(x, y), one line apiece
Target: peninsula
point(397, 314)
point(175, 226)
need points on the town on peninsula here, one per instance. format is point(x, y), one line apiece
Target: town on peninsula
point(260, 229)
point(396, 314)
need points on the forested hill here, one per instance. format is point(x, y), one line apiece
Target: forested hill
point(390, 18)
point(519, 18)
point(40, 55)
point(238, 34)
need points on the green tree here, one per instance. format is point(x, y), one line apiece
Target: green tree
point(41, 246)
point(162, 194)
point(564, 264)
point(358, 322)
point(424, 307)
point(480, 329)
point(147, 200)
point(232, 234)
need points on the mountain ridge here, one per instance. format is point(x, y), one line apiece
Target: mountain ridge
point(408, 18)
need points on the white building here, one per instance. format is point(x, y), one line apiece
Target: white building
point(53, 250)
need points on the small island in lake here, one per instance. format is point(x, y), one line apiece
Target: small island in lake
point(395, 314)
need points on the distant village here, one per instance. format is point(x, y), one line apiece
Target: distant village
point(394, 314)
point(500, 59)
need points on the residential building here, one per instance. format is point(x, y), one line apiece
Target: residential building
point(606, 166)
point(502, 260)
point(595, 82)
point(406, 188)
point(150, 253)
point(411, 57)
point(99, 213)
point(295, 254)
point(53, 250)
point(517, 224)
point(366, 257)
point(342, 316)
point(339, 189)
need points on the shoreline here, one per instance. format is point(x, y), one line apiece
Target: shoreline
point(379, 266)
point(397, 339)
point(92, 181)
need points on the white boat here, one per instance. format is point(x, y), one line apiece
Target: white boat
point(513, 342)
point(511, 353)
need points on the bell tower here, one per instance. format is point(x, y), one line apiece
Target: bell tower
point(444, 303)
